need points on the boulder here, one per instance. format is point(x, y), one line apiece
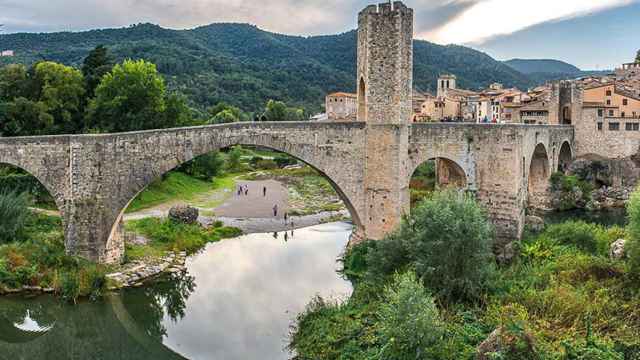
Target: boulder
point(535, 223)
point(616, 252)
point(184, 214)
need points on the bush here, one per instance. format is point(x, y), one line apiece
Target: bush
point(266, 165)
point(448, 239)
point(70, 286)
point(284, 161)
point(204, 167)
point(14, 211)
point(576, 233)
point(409, 320)
point(633, 229)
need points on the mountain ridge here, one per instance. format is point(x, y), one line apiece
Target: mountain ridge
point(244, 65)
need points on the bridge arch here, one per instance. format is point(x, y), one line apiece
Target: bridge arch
point(538, 179)
point(565, 157)
point(311, 156)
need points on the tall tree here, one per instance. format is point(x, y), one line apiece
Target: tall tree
point(638, 57)
point(133, 97)
point(62, 93)
point(97, 64)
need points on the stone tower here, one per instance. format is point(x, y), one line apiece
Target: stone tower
point(566, 103)
point(445, 82)
point(385, 63)
point(385, 82)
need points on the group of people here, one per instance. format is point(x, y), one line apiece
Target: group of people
point(243, 190)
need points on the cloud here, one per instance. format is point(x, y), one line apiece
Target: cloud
point(489, 18)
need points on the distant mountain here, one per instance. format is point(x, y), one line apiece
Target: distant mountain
point(246, 66)
point(532, 66)
point(543, 70)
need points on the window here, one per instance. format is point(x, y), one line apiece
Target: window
point(625, 102)
point(608, 102)
point(600, 112)
point(614, 126)
point(599, 126)
point(632, 126)
point(608, 92)
point(610, 112)
point(622, 114)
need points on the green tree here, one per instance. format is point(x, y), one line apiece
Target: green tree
point(177, 112)
point(275, 111)
point(13, 82)
point(23, 117)
point(448, 240)
point(638, 57)
point(62, 93)
point(97, 64)
point(204, 167)
point(409, 321)
point(233, 158)
point(222, 107)
point(130, 97)
point(224, 117)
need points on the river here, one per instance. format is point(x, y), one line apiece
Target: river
point(237, 300)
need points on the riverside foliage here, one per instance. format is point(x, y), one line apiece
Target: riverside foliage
point(562, 298)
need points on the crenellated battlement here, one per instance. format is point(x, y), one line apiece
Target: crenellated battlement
point(389, 8)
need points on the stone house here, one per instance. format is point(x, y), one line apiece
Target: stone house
point(341, 106)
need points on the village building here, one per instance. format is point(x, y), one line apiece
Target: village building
point(341, 106)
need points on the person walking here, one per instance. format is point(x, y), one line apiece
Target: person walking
point(246, 191)
point(286, 236)
point(286, 216)
point(275, 210)
point(264, 191)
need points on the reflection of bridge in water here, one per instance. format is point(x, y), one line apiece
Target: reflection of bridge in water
point(368, 162)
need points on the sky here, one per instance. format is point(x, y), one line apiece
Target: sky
point(592, 34)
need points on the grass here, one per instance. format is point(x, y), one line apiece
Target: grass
point(166, 235)
point(177, 186)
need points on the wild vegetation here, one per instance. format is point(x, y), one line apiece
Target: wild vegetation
point(32, 254)
point(563, 297)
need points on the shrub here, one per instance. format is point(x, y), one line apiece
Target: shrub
point(284, 161)
point(69, 286)
point(409, 320)
point(576, 233)
point(633, 229)
point(448, 239)
point(266, 165)
point(14, 211)
point(204, 167)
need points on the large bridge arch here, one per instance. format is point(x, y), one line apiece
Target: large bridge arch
point(334, 150)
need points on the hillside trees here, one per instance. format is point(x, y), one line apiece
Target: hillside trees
point(638, 57)
point(46, 99)
point(133, 96)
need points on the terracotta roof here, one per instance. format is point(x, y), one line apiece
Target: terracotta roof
point(343, 94)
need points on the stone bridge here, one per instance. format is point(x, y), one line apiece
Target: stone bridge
point(94, 177)
point(369, 162)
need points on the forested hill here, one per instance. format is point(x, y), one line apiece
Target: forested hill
point(530, 66)
point(245, 66)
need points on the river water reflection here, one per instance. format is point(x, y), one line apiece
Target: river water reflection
point(237, 301)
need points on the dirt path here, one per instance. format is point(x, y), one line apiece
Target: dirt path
point(255, 204)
